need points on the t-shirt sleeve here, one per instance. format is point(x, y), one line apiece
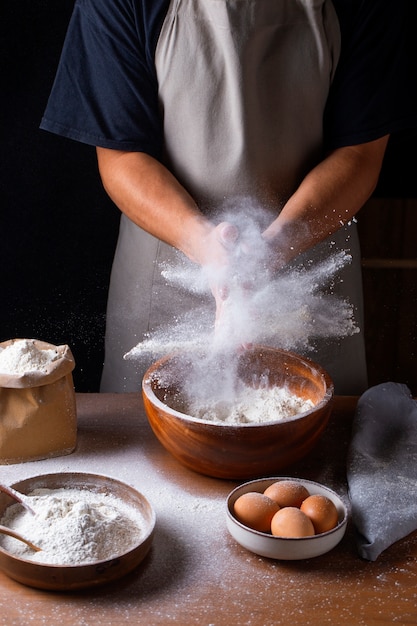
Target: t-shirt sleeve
point(105, 91)
point(372, 92)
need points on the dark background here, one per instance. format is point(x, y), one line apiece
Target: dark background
point(58, 229)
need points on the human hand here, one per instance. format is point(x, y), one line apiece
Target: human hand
point(238, 273)
point(219, 264)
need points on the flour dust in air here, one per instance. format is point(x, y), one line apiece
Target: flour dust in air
point(289, 310)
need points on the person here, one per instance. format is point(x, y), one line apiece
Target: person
point(284, 107)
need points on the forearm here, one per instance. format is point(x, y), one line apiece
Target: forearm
point(152, 198)
point(329, 197)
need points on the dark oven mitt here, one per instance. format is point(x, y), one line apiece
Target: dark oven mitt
point(382, 468)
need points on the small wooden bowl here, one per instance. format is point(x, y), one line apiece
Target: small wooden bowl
point(71, 577)
point(240, 451)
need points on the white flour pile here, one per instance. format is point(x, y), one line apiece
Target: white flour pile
point(23, 357)
point(252, 406)
point(72, 526)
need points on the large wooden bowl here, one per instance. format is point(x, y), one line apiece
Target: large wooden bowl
point(239, 451)
point(70, 577)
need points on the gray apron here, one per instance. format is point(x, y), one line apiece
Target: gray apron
point(242, 87)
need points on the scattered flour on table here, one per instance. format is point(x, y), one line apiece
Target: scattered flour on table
point(252, 406)
point(73, 527)
point(23, 356)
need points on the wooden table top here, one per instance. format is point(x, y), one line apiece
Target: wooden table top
point(195, 573)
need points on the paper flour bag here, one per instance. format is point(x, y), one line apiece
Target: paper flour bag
point(38, 418)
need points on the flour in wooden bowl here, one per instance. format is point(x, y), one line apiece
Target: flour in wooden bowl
point(73, 527)
point(251, 406)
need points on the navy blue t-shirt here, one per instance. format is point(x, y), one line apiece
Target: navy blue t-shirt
point(106, 93)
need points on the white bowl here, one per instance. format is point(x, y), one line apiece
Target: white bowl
point(285, 548)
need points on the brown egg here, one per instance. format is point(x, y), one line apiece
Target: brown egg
point(287, 493)
point(291, 522)
point(322, 512)
point(255, 510)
